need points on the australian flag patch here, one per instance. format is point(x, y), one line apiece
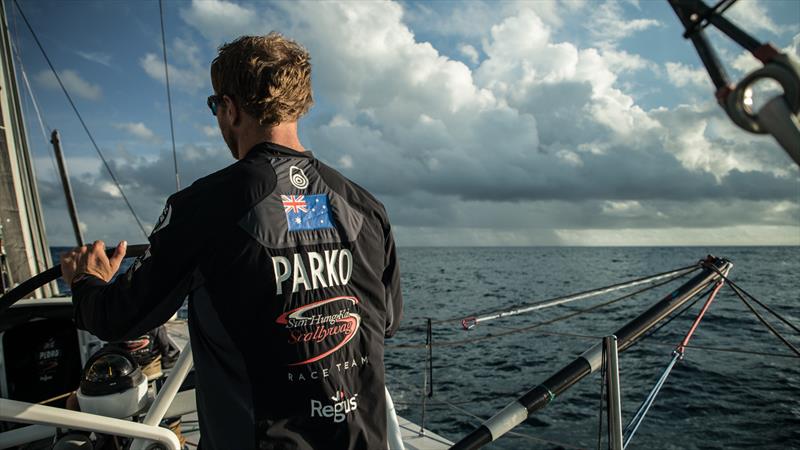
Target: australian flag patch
point(307, 212)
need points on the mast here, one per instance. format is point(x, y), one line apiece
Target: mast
point(24, 236)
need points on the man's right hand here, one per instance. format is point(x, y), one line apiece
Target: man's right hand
point(91, 259)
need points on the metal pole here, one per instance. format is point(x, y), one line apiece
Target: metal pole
point(614, 402)
point(427, 389)
point(590, 361)
point(62, 170)
point(430, 358)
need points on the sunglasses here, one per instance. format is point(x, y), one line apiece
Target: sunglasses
point(213, 102)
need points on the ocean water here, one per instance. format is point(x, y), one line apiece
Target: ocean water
point(713, 399)
point(737, 398)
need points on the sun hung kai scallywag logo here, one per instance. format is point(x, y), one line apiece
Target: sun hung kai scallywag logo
point(306, 326)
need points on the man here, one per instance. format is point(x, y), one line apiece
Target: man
point(290, 269)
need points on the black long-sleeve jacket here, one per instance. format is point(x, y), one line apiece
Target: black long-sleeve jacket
point(293, 283)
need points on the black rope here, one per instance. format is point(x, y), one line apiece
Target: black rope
point(764, 321)
point(538, 324)
point(778, 316)
point(169, 97)
point(80, 118)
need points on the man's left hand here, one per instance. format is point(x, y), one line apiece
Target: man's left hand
point(91, 260)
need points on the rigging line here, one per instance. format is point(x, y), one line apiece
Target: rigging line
point(35, 104)
point(735, 285)
point(571, 297)
point(169, 96)
point(677, 355)
point(764, 321)
point(536, 325)
point(80, 119)
point(510, 433)
point(585, 294)
point(637, 419)
point(686, 308)
point(778, 316)
point(667, 344)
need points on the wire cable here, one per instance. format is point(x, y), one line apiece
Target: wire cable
point(766, 324)
point(169, 96)
point(80, 119)
point(770, 310)
point(538, 324)
point(495, 314)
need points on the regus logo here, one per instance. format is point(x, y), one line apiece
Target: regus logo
point(336, 411)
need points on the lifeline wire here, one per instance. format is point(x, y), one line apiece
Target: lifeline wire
point(80, 119)
point(169, 97)
point(555, 301)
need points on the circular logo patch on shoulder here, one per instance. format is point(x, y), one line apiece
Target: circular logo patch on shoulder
point(298, 177)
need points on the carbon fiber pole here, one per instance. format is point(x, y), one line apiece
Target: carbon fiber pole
point(540, 396)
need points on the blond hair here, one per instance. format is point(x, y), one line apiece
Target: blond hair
point(269, 77)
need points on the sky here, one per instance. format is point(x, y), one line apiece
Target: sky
point(475, 123)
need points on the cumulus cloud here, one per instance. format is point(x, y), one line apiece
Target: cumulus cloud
point(146, 180)
point(681, 75)
point(191, 75)
point(474, 19)
point(753, 14)
point(73, 82)
point(539, 120)
point(215, 19)
point(608, 24)
point(138, 130)
point(536, 142)
point(470, 52)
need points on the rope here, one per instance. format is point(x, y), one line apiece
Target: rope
point(778, 316)
point(35, 103)
point(766, 324)
point(536, 325)
point(582, 295)
point(770, 310)
point(169, 97)
point(648, 402)
point(490, 315)
point(676, 355)
point(80, 119)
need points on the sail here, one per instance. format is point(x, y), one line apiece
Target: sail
point(22, 230)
